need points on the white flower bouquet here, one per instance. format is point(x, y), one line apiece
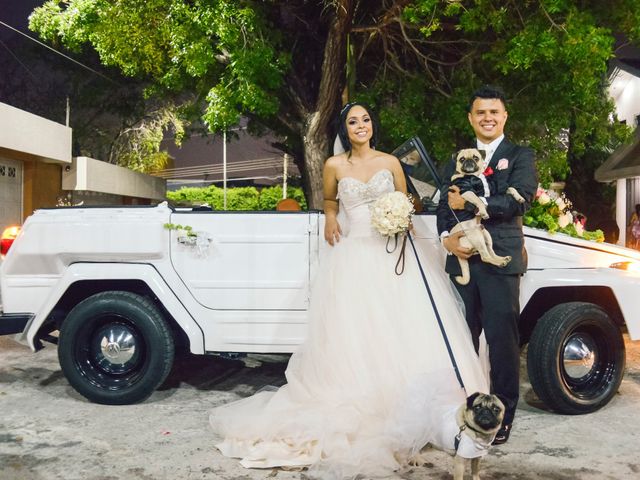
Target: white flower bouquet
point(391, 213)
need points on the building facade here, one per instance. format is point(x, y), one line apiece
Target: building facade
point(623, 166)
point(33, 153)
point(38, 171)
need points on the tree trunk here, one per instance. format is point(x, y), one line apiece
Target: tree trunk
point(316, 148)
point(317, 131)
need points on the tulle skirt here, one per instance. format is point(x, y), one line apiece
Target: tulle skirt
point(368, 388)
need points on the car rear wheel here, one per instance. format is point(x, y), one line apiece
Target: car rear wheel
point(576, 358)
point(115, 348)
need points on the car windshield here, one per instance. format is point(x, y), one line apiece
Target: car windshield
point(422, 178)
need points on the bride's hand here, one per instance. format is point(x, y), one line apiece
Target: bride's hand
point(332, 231)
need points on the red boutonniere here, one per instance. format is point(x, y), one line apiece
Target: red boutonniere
point(488, 172)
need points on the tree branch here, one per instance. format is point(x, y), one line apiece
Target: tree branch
point(335, 54)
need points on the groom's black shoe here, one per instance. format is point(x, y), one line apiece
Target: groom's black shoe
point(503, 435)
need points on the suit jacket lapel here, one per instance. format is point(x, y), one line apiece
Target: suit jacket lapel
point(503, 151)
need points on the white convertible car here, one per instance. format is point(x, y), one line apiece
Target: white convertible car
point(122, 291)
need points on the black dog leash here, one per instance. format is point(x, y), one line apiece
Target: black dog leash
point(400, 263)
point(438, 318)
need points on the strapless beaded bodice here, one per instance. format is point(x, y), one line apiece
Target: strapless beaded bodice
point(355, 197)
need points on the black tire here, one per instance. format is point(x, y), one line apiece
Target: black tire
point(576, 358)
point(115, 348)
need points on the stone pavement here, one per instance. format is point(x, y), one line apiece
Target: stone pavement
point(48, 431)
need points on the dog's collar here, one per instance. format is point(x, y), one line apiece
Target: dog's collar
point(466, 425)
point(458, 437)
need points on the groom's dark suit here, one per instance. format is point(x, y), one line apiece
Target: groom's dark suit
point(491, 297)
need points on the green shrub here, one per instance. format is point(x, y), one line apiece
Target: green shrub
point(238, 198)
point(270, 196)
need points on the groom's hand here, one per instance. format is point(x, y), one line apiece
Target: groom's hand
point(456, 202)
point(452, 244)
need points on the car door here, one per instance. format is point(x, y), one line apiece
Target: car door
point(246, 261)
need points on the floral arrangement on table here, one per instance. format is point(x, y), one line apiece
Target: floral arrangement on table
point(552, 211)
point(391, 216)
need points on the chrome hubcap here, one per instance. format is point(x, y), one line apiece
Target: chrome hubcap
point(117, 346)
point(579, 355)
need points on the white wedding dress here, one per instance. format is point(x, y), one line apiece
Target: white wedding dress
point(369, 386)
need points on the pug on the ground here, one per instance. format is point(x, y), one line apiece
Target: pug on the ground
point(465, 431)
point(470, 179)
point(477, 421)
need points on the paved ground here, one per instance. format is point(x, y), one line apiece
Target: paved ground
point(47, 431)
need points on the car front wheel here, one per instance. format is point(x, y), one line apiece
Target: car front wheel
point(576, 358)
point(115, 348)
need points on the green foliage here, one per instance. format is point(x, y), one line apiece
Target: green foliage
point(551, 57)
point(227, 44)
point(416, 62)
point(270, 196)
point(408, 107)
point(138, 147)
point(238, 198)
point(176, 226)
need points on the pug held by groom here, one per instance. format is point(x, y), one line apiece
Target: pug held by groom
point(491, 297)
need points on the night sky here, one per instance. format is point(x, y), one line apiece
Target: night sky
point(31, 76)
point(15, 13)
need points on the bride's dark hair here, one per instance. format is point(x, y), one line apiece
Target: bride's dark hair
point(342, 125)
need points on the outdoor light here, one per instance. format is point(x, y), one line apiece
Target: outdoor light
point(629, 266)
point(8, 236)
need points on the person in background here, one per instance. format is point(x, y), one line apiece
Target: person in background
point(634, 227)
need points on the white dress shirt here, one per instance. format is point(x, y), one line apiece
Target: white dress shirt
point(489, 148)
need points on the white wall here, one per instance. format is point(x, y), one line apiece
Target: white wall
point(625, 92)
point(25, 132)
point(88, 174)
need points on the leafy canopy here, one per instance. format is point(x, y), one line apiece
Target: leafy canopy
point(550, 56)
point(222, 50)
point(416, 61)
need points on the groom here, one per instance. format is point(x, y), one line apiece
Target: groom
point(491, 297)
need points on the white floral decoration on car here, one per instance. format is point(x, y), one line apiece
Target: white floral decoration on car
point(185, 235)
point(552, 212)
point(565, 219)
point(391, 213)
point(542, 196)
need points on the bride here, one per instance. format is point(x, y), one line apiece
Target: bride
point(366, 390)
